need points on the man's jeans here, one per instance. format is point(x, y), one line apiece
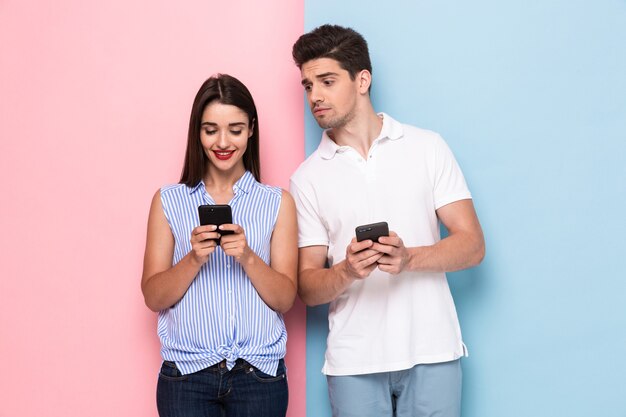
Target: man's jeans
point(244, 391)
point(421, 391)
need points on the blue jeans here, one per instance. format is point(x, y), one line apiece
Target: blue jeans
point(422, 391)
point(244, 391)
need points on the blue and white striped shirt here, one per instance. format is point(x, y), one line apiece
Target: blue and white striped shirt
point(221, 316)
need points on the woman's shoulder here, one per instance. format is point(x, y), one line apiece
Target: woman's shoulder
point(269, 189)
point(175, 189)
point(249, 183)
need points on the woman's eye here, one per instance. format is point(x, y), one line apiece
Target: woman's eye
point(210, 132)
point(236, 132)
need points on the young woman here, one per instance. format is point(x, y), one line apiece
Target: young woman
point(220, 304)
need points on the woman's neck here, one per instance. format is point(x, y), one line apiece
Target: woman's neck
point(219, 184)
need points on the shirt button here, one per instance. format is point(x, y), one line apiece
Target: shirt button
point(228, 266)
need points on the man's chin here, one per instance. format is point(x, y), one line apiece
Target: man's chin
point(324, 124)
point(336, 122)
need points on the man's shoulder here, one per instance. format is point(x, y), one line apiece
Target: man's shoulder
point(411, 132)
point(417, 133)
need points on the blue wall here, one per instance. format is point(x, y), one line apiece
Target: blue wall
point(531, 97)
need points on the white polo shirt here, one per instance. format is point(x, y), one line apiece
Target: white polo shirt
point(384, 322)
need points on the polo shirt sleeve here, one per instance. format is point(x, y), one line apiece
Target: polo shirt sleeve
point(311, 229)
point(449, 184)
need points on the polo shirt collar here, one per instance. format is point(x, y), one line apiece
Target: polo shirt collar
point(391, 130)
point(243, 184)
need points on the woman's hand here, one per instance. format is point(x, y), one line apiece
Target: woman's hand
point(235, 244)
point(203, 243)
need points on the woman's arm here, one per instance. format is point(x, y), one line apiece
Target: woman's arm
point(276, 283)
point(162, 284)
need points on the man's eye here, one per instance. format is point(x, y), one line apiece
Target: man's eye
point(328, 82)
point(307, 88)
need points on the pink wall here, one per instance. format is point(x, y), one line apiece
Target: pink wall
point(94, 103)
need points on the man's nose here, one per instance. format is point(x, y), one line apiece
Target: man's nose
point(315, 95)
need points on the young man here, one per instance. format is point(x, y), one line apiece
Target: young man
point(394, 342)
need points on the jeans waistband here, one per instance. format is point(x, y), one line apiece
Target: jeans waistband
point(222, 364)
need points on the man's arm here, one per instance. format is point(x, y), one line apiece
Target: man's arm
point(319, 285)
point(464, 247)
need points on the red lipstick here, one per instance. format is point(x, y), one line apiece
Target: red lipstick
point(223, 155)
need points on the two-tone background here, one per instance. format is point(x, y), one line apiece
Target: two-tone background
point(94, 105)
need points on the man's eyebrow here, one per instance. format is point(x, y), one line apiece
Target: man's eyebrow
point(326, 74)
point(306, 81)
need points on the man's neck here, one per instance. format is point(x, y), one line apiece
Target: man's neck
point(360, 132)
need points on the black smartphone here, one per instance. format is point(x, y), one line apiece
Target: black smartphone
point(372, 231)
point(217, 214)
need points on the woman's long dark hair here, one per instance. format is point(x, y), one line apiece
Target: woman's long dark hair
point(224, 89)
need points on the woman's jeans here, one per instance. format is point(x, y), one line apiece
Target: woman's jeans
point(244, 391)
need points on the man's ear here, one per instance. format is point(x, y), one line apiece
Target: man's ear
point(365, 80)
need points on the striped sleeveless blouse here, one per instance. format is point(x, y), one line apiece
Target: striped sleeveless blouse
point(221, 316)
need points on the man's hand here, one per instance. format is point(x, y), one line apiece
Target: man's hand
point(394, 255)
point(361, 259)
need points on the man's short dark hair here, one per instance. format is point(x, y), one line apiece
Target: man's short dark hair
point(344, 45)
